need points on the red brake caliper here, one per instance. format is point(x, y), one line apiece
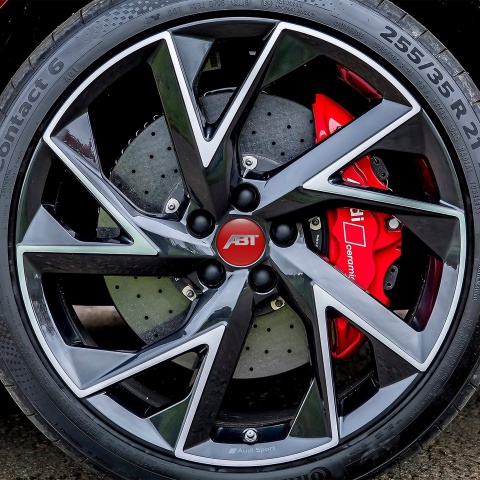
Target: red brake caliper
point(362, 244)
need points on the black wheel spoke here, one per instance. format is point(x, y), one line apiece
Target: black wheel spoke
point(285, 191)
point(207, 163)
point(205, 326)
point(148, 235)
point(182, 117)
point(437, 225)
point(339, 292)
point(442, 234)
point(206, 404)
point(391, 368)
point(52, 248)
point(301, 293)
point(299, 290)
point(78, 137)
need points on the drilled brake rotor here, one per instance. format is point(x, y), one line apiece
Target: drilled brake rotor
point(148, 172)
point(276, 131)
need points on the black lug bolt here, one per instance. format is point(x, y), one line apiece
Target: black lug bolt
point(283, 234)
point(263, 279)
point(211, 274)
point(245, 198)
point(200, 223)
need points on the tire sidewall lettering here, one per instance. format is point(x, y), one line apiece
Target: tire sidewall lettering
point(349, 23)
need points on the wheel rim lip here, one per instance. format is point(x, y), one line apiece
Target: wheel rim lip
point(148, 248)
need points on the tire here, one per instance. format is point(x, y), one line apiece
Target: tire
point(295, 359)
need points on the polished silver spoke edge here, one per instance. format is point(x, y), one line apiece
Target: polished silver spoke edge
point(331, 414)
point(210, 338)
point(208, 148)
point(320, 181)
point(142, 245)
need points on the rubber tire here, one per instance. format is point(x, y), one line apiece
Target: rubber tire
point(81, 41)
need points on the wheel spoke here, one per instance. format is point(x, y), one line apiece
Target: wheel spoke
point(51, 248)
point(321, 396)
point(391, 368)
point(213, 384)
point(91, 178)
point(437, 225)
point(442, 234)
point(207, 163)
point(301, 293)
point(418, 137)
point(141, 427)
point(78, 136)
point(340, 293)
point(186, 131)
point(285, 191)
point(206, 160)
point(90, 371)
point(149, 236)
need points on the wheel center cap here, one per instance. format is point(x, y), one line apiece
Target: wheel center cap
point(241, 242)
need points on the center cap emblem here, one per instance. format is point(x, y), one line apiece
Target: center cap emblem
point(241, 242)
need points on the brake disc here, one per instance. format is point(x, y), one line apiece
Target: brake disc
point(276, 343)
point(276, 131)
point(148, 172)
point(153, 307)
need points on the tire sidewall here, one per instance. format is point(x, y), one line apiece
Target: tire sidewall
point(29, 368)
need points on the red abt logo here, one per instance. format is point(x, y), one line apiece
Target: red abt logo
point(241, 242)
